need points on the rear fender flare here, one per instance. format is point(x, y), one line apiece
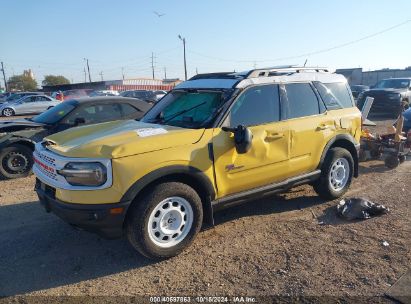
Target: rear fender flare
point(344, 141)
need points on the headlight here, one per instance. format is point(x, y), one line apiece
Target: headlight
point(85, 174)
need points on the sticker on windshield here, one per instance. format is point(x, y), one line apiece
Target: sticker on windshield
point(145, 132)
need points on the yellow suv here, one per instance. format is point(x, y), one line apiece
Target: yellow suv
point(215, 140)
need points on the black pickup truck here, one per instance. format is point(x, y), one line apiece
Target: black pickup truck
point(388, 96)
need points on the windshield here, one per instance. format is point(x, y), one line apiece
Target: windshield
point(54, 114)
point(393, 84)
point(187, 109)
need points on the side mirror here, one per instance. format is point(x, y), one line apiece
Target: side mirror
point(79, 121)
point(242, 138)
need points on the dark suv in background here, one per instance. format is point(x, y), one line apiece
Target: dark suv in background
point(388, 96)
point(148, 96)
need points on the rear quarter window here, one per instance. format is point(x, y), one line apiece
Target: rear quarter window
point(335, 95)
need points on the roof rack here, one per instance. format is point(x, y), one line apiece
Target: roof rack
point(218, 75)
point(283, 70)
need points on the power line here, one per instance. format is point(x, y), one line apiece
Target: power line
point(314, 52)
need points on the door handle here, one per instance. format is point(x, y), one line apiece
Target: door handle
point(274, 136)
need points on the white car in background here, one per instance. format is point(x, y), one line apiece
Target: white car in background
point(32, 104)
point(160, 94)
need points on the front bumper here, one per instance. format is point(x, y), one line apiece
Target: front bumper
point(104, 219)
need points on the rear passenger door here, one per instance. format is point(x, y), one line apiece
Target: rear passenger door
point(310, 126)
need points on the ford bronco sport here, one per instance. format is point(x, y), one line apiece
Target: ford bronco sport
point(215, 140)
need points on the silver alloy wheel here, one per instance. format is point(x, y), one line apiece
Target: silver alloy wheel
point(339, 174)
point(8, 112)
point(170, 222)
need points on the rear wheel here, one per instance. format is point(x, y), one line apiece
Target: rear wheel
point(15, 161)
point(8, 112)
point(336, 174)
point(165, 220)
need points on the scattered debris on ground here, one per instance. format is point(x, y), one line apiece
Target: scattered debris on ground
point(359, 208)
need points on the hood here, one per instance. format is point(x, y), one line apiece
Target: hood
point(18, 124)
point(119, 139)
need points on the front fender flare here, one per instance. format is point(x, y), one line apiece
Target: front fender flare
point(197, 177)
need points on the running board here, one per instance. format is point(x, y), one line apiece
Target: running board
point(259, 192)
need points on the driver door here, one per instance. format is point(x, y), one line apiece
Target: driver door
point(258, 108)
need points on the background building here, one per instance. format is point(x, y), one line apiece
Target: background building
point(358, 76)
point(118, 85)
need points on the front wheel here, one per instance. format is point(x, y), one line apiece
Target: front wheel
point(15, 161)
point(8, 112)
point(336, 174)
point(165, 220)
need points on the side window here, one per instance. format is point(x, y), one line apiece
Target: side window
point(335, 95)
point(302, 101)
point(256, 106)
point(96, 113)
point(128, 110)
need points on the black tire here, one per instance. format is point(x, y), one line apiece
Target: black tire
point(392, 161)
point(323, 185)
point(18, 155)
point(8, 115)
point(138, 216)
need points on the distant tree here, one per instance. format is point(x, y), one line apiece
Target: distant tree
point(22, 83)
point(51, 80)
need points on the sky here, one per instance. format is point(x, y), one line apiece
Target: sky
point(54, 36)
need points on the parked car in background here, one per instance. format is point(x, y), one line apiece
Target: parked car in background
point(32, 104)
point(78, 93)
point(160, 94)
point(16, 96)
point(146, 95)
point(104, 93)
point(357, 89)
point(388, 94)
point(4, 96)
point(17, 137)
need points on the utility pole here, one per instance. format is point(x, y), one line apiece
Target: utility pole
point(101, 74)
point(197, 71)
point(85, 75)
point(165, 73)
point(88, 69)
point(152, 63)
point(122, 72)
point(4, 77)
point(185, 61)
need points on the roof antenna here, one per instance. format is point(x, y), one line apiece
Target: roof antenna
point(305, 62)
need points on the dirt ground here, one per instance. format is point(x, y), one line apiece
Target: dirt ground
point(289, 245)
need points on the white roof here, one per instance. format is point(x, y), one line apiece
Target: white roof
point(296, 77)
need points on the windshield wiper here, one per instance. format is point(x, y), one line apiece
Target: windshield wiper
point(184, 111)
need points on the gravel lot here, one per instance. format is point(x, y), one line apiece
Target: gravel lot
point(289, 244)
